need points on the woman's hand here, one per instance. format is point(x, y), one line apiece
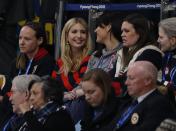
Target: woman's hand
point(74, 94)
point(79, 92)
point(71, 95)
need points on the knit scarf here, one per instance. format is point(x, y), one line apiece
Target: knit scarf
point(42, 114)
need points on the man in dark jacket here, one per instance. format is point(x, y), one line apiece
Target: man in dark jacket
point(151, 106)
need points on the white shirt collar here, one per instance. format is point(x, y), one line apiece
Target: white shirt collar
point(141, 98)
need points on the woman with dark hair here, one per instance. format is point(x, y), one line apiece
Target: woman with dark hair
point(138, 44)
point(102, 105)
point(47, 114)
point(107, 34)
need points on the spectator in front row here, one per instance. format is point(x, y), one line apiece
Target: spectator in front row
point(150, 106)
point(47, 113)
point(102, 105)
point(19, 95)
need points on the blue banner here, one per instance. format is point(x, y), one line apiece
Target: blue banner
point(127, 6)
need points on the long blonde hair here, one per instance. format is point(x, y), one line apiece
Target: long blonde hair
point(68, 62)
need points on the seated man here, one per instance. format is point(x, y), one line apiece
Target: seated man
point(150, 108)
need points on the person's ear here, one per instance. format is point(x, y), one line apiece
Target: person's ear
point(27, 95)
point(108, 27)
point(148, 81)
point(40, 41)
point(173, 42)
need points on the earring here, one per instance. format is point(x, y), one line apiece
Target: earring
point(67, 43)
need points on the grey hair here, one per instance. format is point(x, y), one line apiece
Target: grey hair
point(22, 81)
point(169, 26)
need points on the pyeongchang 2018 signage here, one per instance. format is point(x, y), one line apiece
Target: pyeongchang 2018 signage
point(126, 6)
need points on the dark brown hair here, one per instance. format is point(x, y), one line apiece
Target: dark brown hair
point(142, 27)
point(100, 78)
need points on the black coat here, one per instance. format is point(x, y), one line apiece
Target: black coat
point(150, 112)
point(105, 122)
point(42, 64)
point(56, 121)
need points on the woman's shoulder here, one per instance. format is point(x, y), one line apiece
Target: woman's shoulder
point(60, 114)
point(62, 119)
point(152, 54)
point(85, 60)
point(59, 60)
point(151, 48)
point(43, 56)
point(149, 53)
point(148, 49)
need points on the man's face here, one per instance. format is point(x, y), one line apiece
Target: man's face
point(17, 97)
point(135, 82)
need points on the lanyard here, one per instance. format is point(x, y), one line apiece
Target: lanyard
point(7, 125)
point(172, 74)
point(27, 69)
point(126, 115)
point(164, 71)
